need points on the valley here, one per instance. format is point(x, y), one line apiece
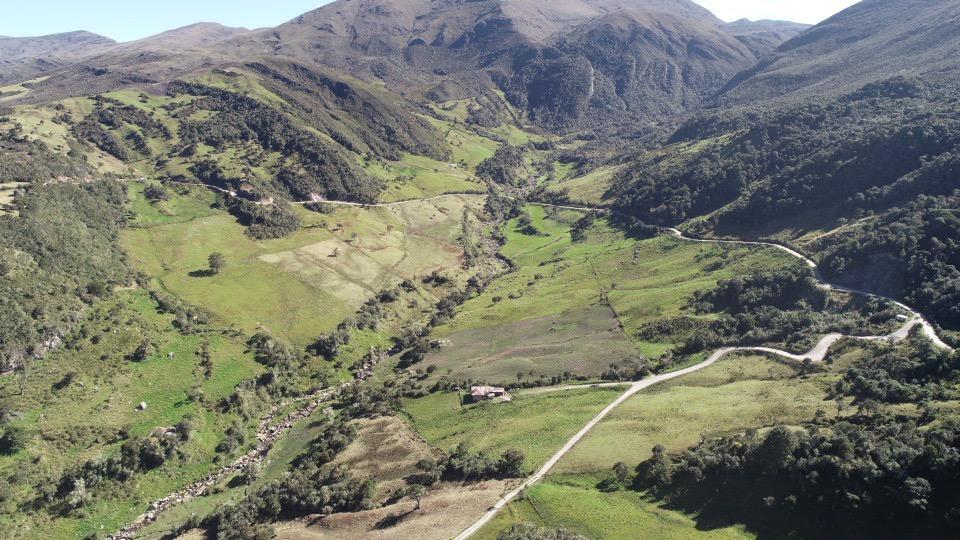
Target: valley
point(498, 270)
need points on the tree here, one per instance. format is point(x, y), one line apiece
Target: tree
point(773, 452)
point(217, 261)
point(142, 352)
point(658, 471)
point(416, 492)
point(13, 440)
point(206, 361)
point(622, 472)
point(511, 463)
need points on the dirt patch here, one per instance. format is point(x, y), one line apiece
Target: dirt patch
point(445, 512)
point(387, 449)
point(583, 342)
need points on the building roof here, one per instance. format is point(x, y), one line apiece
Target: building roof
point(485, 390)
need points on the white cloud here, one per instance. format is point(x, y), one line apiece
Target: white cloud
point(805, 11)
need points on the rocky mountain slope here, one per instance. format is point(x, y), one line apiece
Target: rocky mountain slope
point(25, 58)
point(572, 64)
point(845, 141)
point(870, 41)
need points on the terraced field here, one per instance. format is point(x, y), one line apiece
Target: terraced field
point(568, 301)
point(300, 286)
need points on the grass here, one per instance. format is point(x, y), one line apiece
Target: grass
point(79, 422)
point(552, 302)
point(419, 177)
point(467, 146)
point(590, 188)
point(737, 393)
point(572, 502)
point(301, 286)
point(191, 203)
point(537, 425)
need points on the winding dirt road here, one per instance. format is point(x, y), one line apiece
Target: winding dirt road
point(817, 354)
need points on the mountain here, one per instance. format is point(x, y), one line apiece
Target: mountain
point(845, 143)
point(159, 58)
point(575, 64)
point(870, 41)
point(25, 58)
point(764, 36)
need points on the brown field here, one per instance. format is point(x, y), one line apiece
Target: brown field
point(570, 341)
point(388, 449)
point(445, 512)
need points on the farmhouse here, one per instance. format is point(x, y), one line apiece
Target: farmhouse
point(482, 393)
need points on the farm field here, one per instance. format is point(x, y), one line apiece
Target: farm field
point(574, 503)
point(537, 425)
point(590, 188)
point(739, 392)
point(568, 300)
point(303, 285)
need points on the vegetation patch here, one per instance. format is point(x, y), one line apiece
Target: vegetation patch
point(572, 502)
point(537, 425)
point(737, 393)
point(301, 286)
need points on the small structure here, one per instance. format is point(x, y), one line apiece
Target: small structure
point(485, 393)
point(902, 317)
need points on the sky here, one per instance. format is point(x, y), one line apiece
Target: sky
point(802, 11)
point(126, 20)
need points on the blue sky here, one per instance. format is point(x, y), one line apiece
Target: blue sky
point(126, 20)
point(805, 11)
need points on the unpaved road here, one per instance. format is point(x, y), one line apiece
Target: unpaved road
point(817, 354)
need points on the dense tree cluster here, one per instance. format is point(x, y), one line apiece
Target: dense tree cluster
point(464, 465)
point(875, 476)
point(786, 289)
point(60, 254)
point(314, 486)
point(264, 221)
point(911, 374)
point(505, 167)
point(323, 169)
point(911, 252)
point(867, 150)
